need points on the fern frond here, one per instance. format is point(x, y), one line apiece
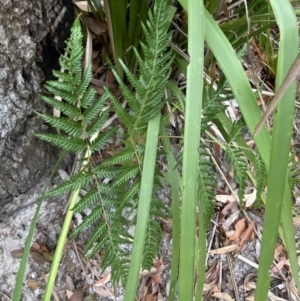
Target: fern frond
point(261, 174)
point(75, 145)
point(152, 243)
point(123, 115)
point(120, 158)
point(114, 200)
point(66, 77)
point(240, 166)
point(206, 189)
point(293, 173)
point(96, 125)
point(67, 109)
point(91, 219)
point(102, 140)
point(78, 181)
point(90, 113)
point(69, 97)
point(87, 201)
point(130, 173)
point(69, 126)
point(87, 97)
point(62, 86)
point(85, 80)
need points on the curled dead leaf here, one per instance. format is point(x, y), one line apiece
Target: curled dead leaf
point(247, 235)
point(240, 227)
point(95, 26)
point(230, 208)
point(17, 254)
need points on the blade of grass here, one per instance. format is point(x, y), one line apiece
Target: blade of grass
point(176, 187)
point(115, 12)
point(143, 207)
point(190, 152)
point(281, 142)
point(137, 15)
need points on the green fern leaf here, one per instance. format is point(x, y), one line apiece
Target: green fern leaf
point(75, 145)
point(96, 125)
point(67, 109)
point(78, 181)
point(102, 139)
point(85, 80)
point(69, 126)
point(240, 168)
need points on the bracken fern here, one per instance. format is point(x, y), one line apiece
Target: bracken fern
point(113, 186)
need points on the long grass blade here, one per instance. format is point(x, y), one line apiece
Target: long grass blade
point(143, 207)
point(191, 152)
point(176, 188)
point(281, 141)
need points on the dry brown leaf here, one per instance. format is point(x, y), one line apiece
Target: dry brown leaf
point(223, 296)
point(33, 285)
point(70, 266)
point(229, 221)
point(150, 297)
point(69, 284)
point(230, 208)
point(95, 26)
point(77, 295)
point(110, 78)
point(17, 254)
point(102, 292)
point(247, 235)
point(224, 250)
point(103, 281)
point(100, 91)
point(247, 279)
point(278, 267)
point(69, 294)
point(37, 257)
point(35, 247)
point(240, 227)
point(279, 250)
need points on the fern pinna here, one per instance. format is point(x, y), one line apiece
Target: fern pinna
point(112, 187)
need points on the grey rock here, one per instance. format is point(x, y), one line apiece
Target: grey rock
point(28, 44)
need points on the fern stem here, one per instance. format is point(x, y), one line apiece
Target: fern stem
point(143, 207)
point(63, 236)
point(60, 247)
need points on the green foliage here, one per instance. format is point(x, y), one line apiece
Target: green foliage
point(113, 205)
point(240, 167)
point(85, 115)
point(261, 177)
point(212, 102)
point(293, 173)
point(206, 188)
